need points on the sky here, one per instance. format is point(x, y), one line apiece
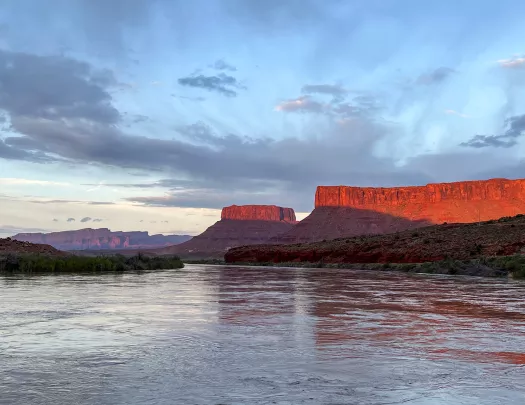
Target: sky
point(154, 114)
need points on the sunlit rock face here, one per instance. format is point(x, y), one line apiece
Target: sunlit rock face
point(350, 211)
point(259, 213)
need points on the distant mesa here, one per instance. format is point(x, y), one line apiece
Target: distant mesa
point(101, 239)
point(342, 211)
point(259, 213)
point(240, 225)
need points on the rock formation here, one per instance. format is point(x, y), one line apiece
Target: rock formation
point(259, 213)
point(348, 211)
point(503, 237)
point(239, 225)
point(12, 246)
point(102, 238)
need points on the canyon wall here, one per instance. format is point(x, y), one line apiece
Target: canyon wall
point(388, 198)
point(239, 226)
point(102, 238)
point(350, 211)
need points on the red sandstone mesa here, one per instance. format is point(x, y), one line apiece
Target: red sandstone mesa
point(259, 213)
point(239, 225)
point(349, 211)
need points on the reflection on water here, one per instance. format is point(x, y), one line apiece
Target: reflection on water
point(234, 335)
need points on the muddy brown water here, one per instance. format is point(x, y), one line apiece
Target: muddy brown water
point(240, 335)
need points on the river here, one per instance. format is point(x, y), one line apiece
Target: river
point(240, 335)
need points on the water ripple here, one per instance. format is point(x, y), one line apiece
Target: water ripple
point(238, 335)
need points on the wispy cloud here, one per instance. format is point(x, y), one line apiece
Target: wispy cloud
point(301, 104)
point(453, 112)
point(517, 61)
point(97, 186)
point(86, 219)
point(71, 220)
point(31, 182)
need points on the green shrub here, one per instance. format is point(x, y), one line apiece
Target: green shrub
point(29, 263)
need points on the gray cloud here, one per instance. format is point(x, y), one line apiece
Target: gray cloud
point(49, 87)
point(516, 126)
point(100, 202)
point(85, 219)
point(70, 202)
point(55, 220)
point(97, 220)
point(221, 83)
point(436, 76)
point(71, 220)
point(222, 65)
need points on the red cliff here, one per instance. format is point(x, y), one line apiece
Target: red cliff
point(239, 225)
point(259, 213)
point(387, 198)
point(349, 211)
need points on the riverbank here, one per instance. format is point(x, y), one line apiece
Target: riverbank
point(41, 263)
point(498, 266)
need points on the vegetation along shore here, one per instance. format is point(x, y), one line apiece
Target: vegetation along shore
point(499, 266)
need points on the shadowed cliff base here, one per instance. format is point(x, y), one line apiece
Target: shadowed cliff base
point(225, 234)
point(337, 222)
point(503, 237)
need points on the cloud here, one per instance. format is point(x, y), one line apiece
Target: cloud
point(71, 220)
point(205, 164)
point(453, 112)
point(20, 181)
point(516, 126)
point(302, 104)
point(97, 220)
point(8, 230)
point(211, 167)
point(85, 219)
point(436, 76)
point(51, 87)
point(512, 63)
point(338, 92)
point(222, 65)
point(55, 220)
point(221, 83)
point(58, 201)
